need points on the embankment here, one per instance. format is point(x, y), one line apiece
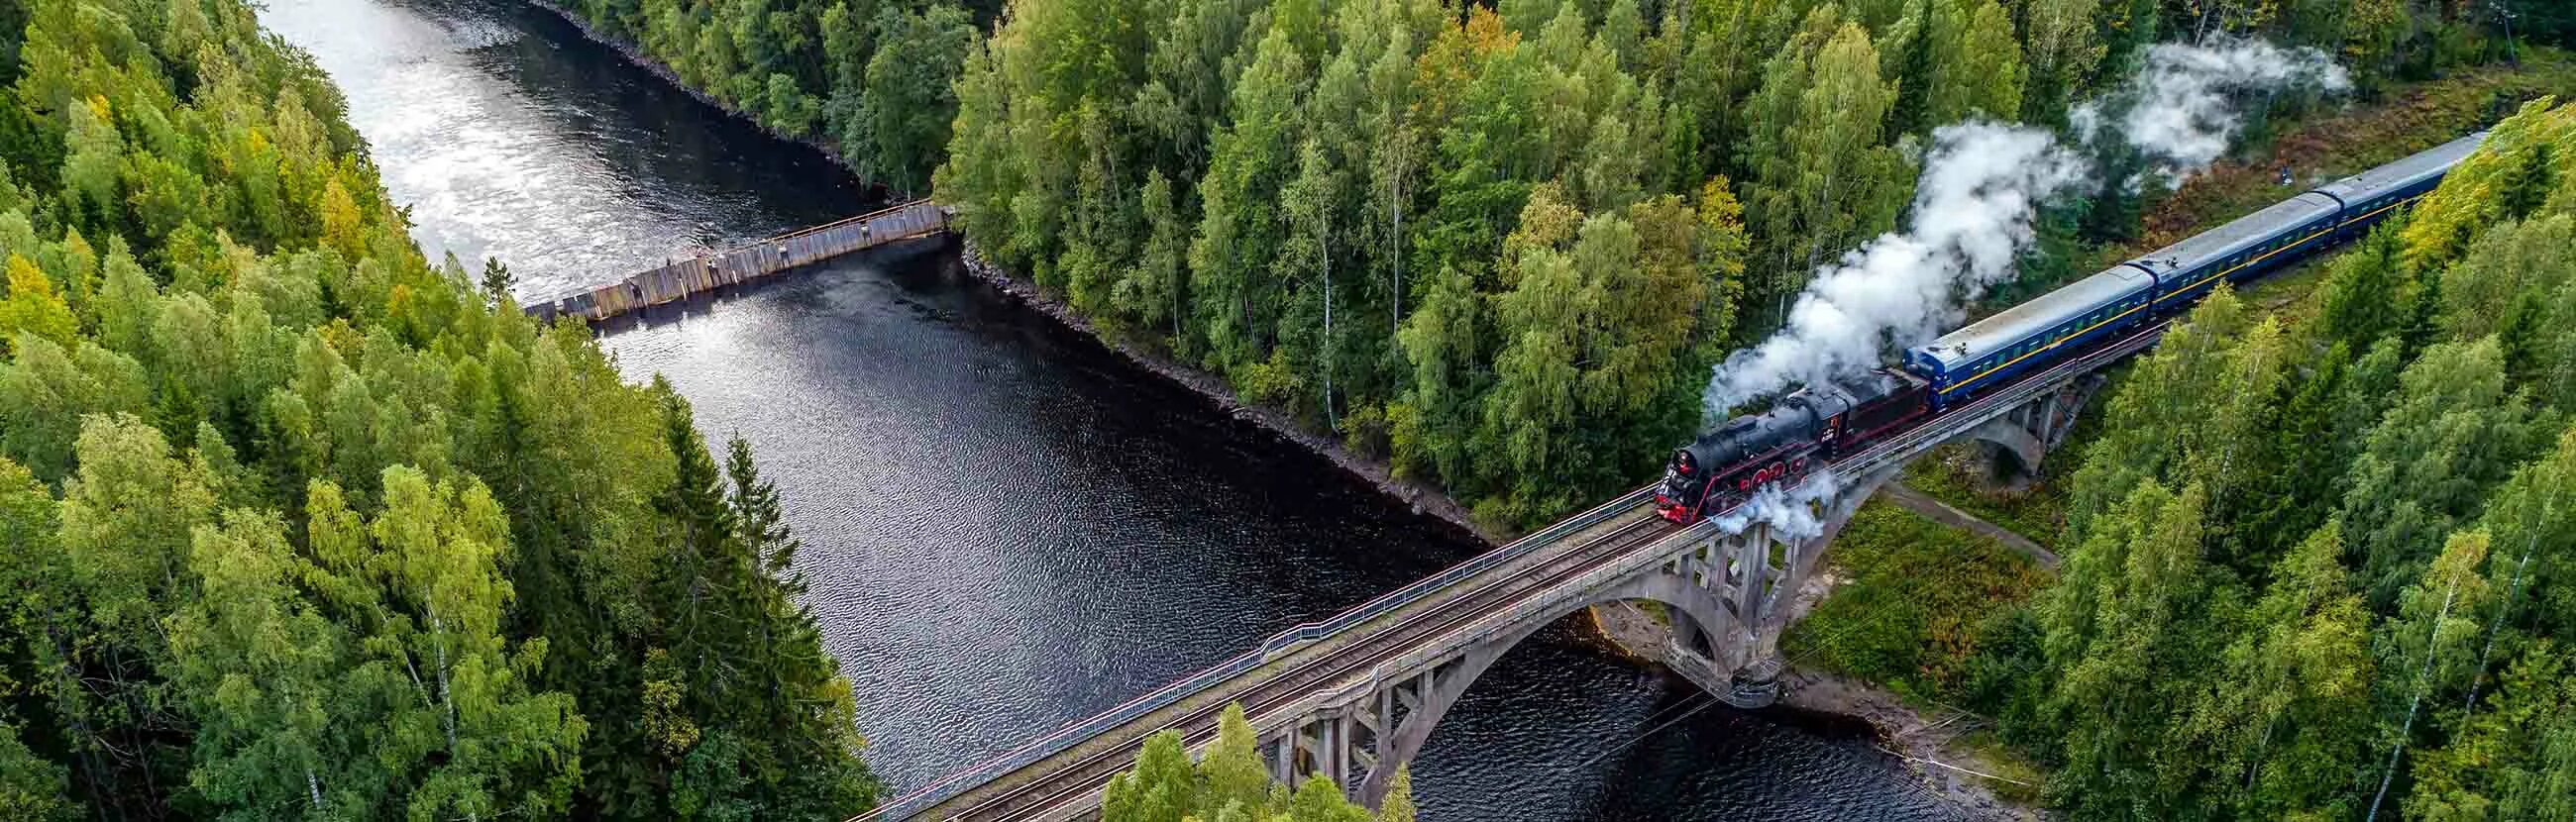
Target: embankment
point(1420, 496)
point(634, 53)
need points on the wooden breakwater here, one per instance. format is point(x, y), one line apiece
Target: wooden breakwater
point(682, 279)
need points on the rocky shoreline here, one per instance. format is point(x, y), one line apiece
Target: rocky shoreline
point(1922, 742)
point(634, 54)
point(1419, 496)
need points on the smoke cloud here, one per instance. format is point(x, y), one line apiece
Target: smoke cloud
point(2179, 111)
point(1981, 187)
point(1980, 193)
point(1790, 512)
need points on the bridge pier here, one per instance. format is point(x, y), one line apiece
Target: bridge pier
point(2030, 430)
point(1730, 598)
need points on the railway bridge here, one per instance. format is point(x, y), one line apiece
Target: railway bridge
point(1355, 696)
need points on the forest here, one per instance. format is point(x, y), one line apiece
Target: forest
point(2315, 569)
point(1499, 246)
point(2321, 571)
point(302, 525)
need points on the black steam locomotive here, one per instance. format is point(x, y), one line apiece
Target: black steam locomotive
point(1804, 431)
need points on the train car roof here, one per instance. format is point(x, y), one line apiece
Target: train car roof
point(2035, 315)
point(2414, 168)
point(2238, 233)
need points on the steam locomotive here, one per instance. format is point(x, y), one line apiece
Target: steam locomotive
point(1817, 425)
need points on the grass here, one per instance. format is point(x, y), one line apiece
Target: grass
point(2021, 778)
point(1907, 619)
point(1953, 474)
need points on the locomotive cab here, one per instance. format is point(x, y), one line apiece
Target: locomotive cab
point(1679, 495)
point(1724, 467)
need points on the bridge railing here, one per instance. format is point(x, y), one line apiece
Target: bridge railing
point(707, 271)
point(1067, 737)
point(1474, 566)
point(1514, 615)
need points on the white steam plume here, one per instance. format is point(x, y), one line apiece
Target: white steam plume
point(1980, 191)
point(1790, 512)
point(1981, 187)
point(2179, 109)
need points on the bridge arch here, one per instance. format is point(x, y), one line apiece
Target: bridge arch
point(1688, 603)
point(1742, 616)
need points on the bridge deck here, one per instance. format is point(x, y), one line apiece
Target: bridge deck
point(682, 279)
point(1283, 680)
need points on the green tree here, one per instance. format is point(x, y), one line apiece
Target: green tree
point(2451, 433)
point(1239, 235)
point(2286, 716)
point(32, 307)
point(908, 100)
point(1977, 67)
point(2428, 649)
point(2060, 49)
point(1162, 788)
point(2119, 626)
point(31, 786)
point(476, 739)
point(497, 279)
point(1823, 176)
point(2517, 760)
point(263, 670)
point(1398, 806)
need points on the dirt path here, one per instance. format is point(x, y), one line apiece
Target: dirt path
point(1918, 502)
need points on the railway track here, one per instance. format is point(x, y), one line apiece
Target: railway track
point(1093, 772)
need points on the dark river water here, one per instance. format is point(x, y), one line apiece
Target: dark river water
point(1006, 527)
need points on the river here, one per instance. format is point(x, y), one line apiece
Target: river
point(1006, 527)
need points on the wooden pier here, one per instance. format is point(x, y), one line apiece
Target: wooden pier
point(683, 279)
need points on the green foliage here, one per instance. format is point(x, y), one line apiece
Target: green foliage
point(2367, 622)
point(30, 786)
point(1909, 616)
point(1231, 783)
point(871, 79)
point(303, 525)
point(909, 96)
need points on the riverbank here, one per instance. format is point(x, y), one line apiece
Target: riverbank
point(635, 55)
point(1419, 496)
point(1933, 748)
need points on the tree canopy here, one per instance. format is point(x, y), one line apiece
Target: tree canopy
point(2310, 584)
point(300, 524)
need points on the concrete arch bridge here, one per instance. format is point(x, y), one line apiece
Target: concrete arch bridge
point(1356, 696)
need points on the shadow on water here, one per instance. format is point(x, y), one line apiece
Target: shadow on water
point(1007, 526)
